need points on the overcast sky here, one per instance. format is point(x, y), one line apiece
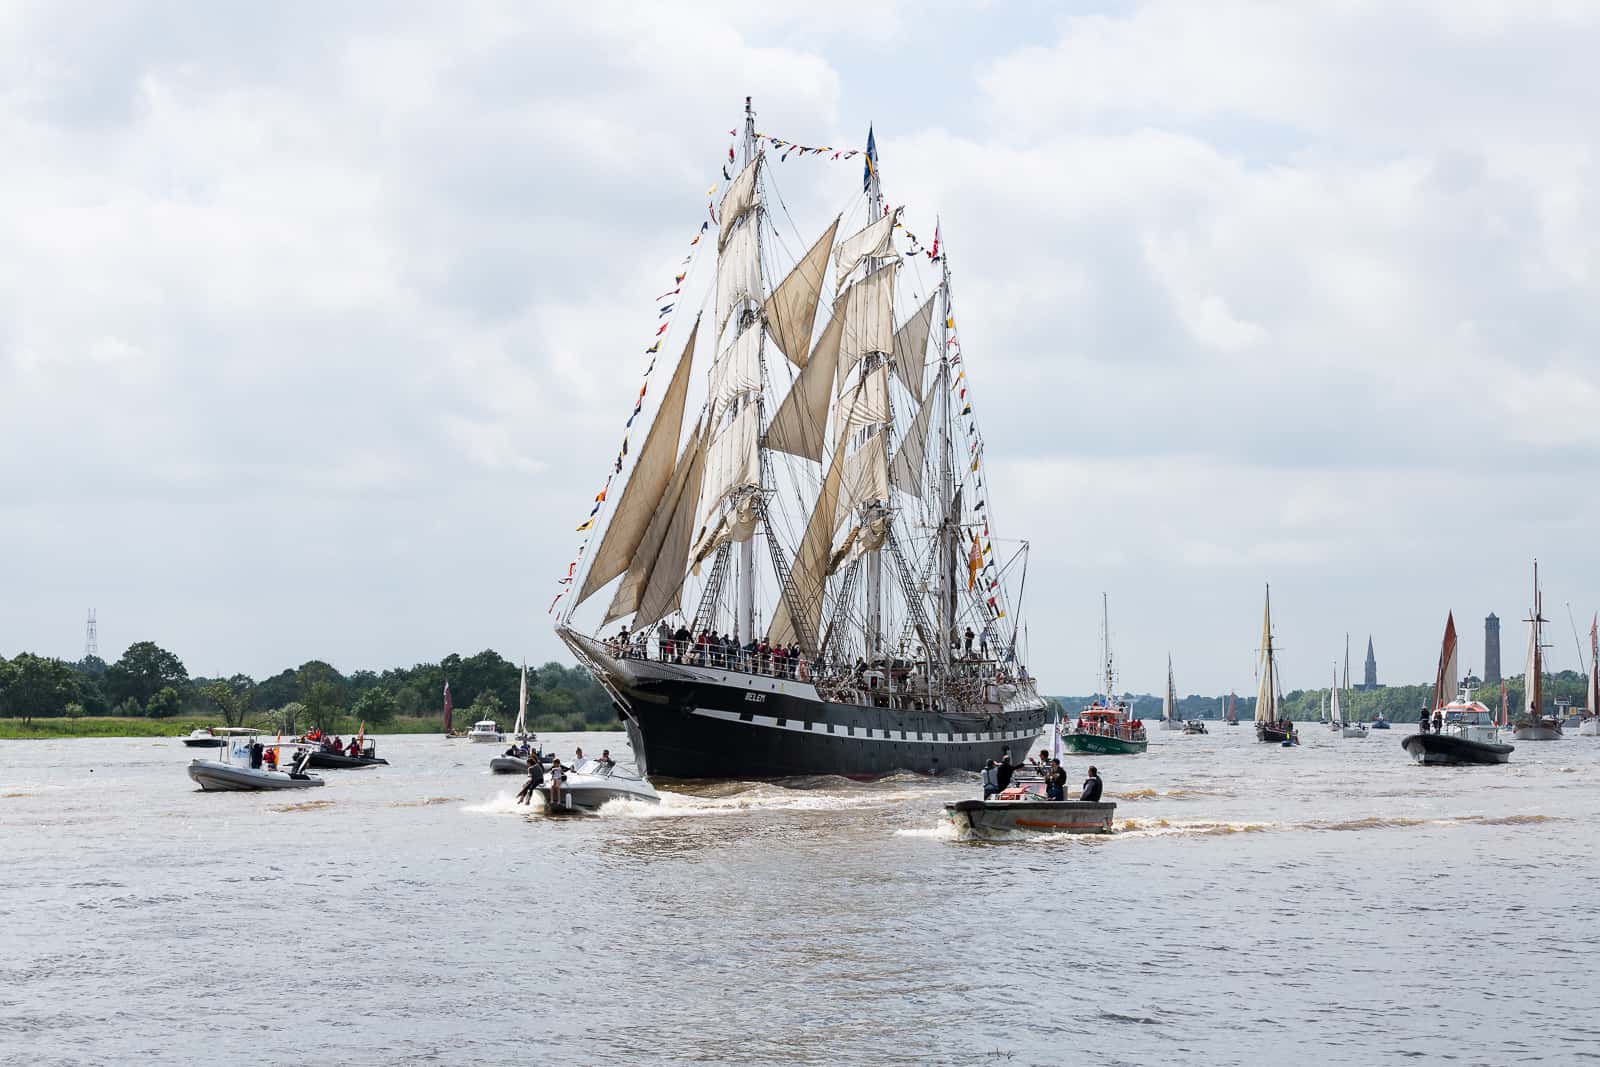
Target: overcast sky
point(317, 321)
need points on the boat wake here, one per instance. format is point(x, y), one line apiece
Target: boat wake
point(740, 798)
point(503, 803)
point(425, 802)
point(1189, 793)
point(304, 805)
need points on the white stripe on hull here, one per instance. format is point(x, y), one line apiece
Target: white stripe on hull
point(869, 734)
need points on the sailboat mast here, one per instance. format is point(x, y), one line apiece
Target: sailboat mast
point(744, 620)
point(947, 528)
point(874, 560)
point(1105, 641)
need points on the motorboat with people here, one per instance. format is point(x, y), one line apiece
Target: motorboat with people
point(1378, 722)
point(514, 760)
point(1193, 726)
point(592, 783)
point(1024, 805)
point(486, 730)
point(362, 751)
point(246, 765)
point(1465, 732)
point(215, 736)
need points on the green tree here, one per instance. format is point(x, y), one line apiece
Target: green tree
point(235, 698)
point(289, 717)
point(322, 702)
point(374, 706)
point(165, 704)
point(143, 671)
point(37, 686)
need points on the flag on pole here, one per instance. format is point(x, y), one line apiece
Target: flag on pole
point(933, 253)
point(974, 563)
point(870, 163)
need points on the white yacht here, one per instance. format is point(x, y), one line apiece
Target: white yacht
point(243, 766)
point(592, 782)
point(486, 730)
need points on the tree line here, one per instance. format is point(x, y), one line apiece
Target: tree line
point(148, 680)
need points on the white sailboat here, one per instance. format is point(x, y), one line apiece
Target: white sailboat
point(519, 732)
point(1590, 725)
point(1346, 729)
point(1171, 716)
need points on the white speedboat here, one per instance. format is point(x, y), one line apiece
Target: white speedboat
point(215, 736)
point(1353, 729)
point(592, 783)
point(243, 768)
point(1193, 726)
point(486, 730)
point(1589, 727)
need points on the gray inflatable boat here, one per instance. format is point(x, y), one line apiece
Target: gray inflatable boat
point(215, 776)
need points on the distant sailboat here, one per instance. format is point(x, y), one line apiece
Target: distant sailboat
point(1233, 709)
point(1590, 726)
point(519, 732)
point(1171, 717)
point(1271, 726)
point(1346, 729)
point(1534, 724)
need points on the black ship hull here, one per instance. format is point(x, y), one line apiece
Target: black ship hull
point(1443, 750)
point(1271, 735)
point(700, 722)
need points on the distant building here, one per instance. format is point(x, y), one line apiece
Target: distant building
point(1370, 681)
point(1491, 648)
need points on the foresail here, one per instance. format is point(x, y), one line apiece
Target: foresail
point(1444, 680)
point(868, 319)
point(798, 427)
point(737, 202)
point(874, 242)
point(810, 572)
point(738, 273)
point(652, 474)
point(911, 347)
point(791, 310)
point(664, 593)
point(906, 470)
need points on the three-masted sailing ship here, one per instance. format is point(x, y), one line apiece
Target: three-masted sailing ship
point(878, 631)
point(1271, 726)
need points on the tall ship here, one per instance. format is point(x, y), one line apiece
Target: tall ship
point(809, 580)
point(1534, 724)
point(1271, 725)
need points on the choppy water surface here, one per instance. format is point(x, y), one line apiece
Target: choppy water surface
point(1259, 905)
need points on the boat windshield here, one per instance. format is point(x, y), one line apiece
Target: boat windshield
point(601, 769)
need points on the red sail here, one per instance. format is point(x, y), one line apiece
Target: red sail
point(447, 707)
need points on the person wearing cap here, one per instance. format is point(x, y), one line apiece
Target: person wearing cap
point(1091, 787)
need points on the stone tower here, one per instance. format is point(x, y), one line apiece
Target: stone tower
point(1371, 679)
point(1491, 648)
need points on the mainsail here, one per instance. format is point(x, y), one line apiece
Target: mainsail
point(1169, 703)
point(1444, 679)
point(664, 546)
point(1267, 688)
point(797, 428)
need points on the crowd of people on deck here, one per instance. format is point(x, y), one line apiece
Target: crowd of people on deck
point(334, 744)
point(998, 776)
point(711, 649)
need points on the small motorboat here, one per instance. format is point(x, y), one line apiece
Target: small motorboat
point(1022, 806)
point(328, 759)
point(245, 768)
point(1353, 729)
point(1193, 726)
point(486, 730)
point(1378, 722)
point(215, 736)
point(1468, 733)
point(592, 783)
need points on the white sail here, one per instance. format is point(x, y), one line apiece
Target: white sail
point(911, 347)
point(868, 319)
point(733, 462)
point(738, 273)
point(798, 426)
point(866, 476)
point(874, 242)
point(810, 572)
point(1532, 706)
point(1169, 703)
point(647, 486)
point(682, 495)
point(522, 706)
point(791, 310)
point(1334, 714)
point(736, 372)
point(663, 595)
point(1266, 690)
point(737, 201)
point(866, 403)
point(906, 470)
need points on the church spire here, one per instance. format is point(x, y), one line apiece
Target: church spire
point(1370, 681)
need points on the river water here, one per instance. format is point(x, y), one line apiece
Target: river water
point(1332, 903)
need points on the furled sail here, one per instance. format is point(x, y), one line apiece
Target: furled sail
point(738, 273)
point(1266, 690)
point(737, 201)
point(682, 494)
point(868, 319)
point(906, 471)
point(874, 242)
point(1169, 703)
point(642, 496)
point(802, 417)
point(736, 372)
point(911, 347)
point(1444, 681)
point(664, 593)
point(810, 572)
point(1334, 712)
point(791, 310)
point(732, 462)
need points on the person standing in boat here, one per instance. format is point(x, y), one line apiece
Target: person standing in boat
point(1055, 781)
point(535, 780)
point(558, 775)
point(991, 778)
point(1091, 787)
point(1004, 771)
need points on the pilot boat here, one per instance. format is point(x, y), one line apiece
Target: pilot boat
point(1468, 734)
point(1105, 728)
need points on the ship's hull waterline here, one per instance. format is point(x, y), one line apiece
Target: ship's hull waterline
point(1102, 745)
point(703, 722)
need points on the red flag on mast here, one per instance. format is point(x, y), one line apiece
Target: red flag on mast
point(447, 706)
